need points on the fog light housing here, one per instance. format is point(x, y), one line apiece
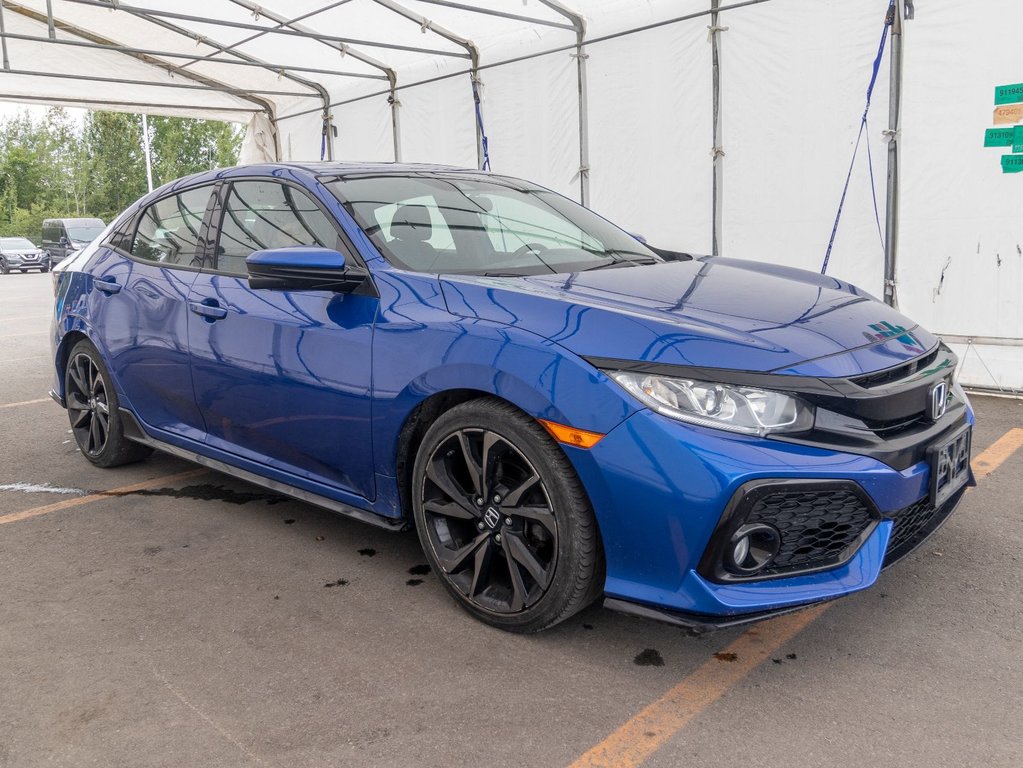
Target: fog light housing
point(752, 548)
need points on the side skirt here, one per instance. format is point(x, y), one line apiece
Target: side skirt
point(134, 431)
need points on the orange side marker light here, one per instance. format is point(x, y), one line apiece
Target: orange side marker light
point(580, 438)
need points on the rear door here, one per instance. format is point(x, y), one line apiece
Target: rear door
point(138, 305)
point(282, 377)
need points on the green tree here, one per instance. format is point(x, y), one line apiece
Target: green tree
point(57, 166)
point(181, 146)
point(116, 167)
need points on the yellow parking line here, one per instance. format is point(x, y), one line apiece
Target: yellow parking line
point(996, 454)
point(26, 402)
point(45, 510)
point(648, 730)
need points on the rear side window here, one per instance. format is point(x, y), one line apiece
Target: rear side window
point(259, 215)
point(168, 230)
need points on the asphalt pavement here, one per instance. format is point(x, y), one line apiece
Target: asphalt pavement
point(155, 615)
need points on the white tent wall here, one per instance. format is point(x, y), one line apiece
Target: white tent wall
point(794, 80)
point(651, 134)
point(531, 115)
point(960, 214)
point(364, 130)
point(437, 123)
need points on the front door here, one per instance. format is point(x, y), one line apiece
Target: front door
point(282, 377)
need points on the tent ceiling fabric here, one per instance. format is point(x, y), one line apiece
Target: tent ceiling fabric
point(226, 58)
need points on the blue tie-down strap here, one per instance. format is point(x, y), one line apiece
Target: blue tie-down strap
point(479, 122)
point(889, 19)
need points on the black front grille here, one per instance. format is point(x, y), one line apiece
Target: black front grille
point(880, 378)
point(819, 528)
point(915, 523)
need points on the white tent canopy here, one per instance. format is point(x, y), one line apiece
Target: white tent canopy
point(705, 125)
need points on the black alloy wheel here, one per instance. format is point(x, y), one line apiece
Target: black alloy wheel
point(92, 410)
point(88, 405)
point(503, 519)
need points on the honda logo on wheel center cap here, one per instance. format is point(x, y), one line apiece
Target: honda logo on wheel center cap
point(492, 517)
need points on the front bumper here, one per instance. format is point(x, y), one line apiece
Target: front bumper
point(660, 489)
point(20, 261)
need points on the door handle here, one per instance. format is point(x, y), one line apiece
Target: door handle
point(108, 285)
point(208, 308)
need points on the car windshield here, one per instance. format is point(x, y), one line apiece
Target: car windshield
point(483, 225)
point(84, 233)
point(16, 244)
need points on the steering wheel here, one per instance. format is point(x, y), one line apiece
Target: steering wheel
point(522, 250)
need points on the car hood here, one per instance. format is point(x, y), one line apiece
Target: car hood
point(21, 251)
point(710, 312)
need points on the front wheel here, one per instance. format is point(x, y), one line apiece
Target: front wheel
point(92, 409)
point(4, 269)
point(503, 518)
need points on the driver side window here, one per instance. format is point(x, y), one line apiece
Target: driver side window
point(261, 215)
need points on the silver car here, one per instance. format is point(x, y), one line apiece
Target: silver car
point(20, 253)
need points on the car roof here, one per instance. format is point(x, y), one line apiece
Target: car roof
point(325, 168)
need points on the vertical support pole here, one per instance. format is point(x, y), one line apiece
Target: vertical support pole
point(49, 20)
point(891, 220)
point(392, 99)
point(718, 153)
point(328, 134)
point(584, 110)
point(148, 151)
point(482, 160)
point(3, 38)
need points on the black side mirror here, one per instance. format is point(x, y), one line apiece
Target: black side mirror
point(304, 268)
point(64, 242)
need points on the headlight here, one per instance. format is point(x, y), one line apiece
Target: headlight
point(720, 406)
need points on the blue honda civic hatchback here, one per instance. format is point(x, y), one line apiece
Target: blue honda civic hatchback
point(560, 411)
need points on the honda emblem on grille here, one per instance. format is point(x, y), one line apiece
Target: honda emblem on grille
point(939, 401)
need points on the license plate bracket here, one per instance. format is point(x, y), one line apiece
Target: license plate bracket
point(950, 465)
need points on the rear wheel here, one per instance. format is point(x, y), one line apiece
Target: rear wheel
point(92, 409)
point(503, 519)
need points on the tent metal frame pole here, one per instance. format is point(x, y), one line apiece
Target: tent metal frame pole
point(501, 14)
point(3, 39)
point(893, 134)
point(717, 152)
point(581, 56)
point(392, 99)
point(74, 101)
point(343, 48)
point(471, 50)
point(148, 151)
point(203, 81)
point(49, 20)
point(256, 13)
point(280, 69)
point(240, 92)
point(309, 35)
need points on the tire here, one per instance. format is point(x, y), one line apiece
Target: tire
point(4, 269)
point(44, 269)
point(92, 409)
point(529, 556)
